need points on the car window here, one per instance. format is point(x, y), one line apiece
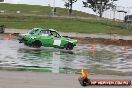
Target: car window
point(33, 31)
point(53, 33)
point(45, 33)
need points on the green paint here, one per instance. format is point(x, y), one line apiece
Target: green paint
point(46, 37)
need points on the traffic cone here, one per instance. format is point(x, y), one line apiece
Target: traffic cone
point(84, 73)
point(10, 36)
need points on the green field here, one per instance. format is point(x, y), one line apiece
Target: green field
point(11, 20)
point(36, 9)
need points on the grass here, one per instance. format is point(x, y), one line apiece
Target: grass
point(36, 9)
point(61, 24)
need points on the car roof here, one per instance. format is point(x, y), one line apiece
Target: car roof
point(38, 28)
point(51, 29)
point(45, 29)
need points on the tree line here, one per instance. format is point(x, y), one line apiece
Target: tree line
point(98, 6)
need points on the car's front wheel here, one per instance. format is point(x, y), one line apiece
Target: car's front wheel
point(69, 46)
point(37, 44)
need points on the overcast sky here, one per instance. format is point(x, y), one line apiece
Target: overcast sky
point(127, 3)
point(60, 3)
point(77, 6)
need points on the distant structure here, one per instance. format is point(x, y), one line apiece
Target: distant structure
point(128, 21)
point(128, 18)
point(1, 0)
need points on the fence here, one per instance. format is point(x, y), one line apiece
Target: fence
point(118, 13)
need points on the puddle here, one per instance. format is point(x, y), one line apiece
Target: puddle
point(106, 60)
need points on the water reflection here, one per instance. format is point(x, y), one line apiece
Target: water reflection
point(109, 59)
point(54, 61)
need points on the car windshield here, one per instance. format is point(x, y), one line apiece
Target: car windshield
point(33, 31)
point(45, 33)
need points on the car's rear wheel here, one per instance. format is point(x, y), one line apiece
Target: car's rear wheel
point(37, 44)
point(21, 40)
point(69, 46)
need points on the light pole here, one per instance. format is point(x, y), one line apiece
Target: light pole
point(53, 10)
point(114, 11)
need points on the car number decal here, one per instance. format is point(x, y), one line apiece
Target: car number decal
point(57, 42)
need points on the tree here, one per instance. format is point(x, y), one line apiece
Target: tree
point(68, 4)
point(99, 6)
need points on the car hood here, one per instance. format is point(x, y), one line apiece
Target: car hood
point(23, 34)
point(70, 40)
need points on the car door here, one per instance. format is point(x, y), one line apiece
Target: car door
point(56, 39)
point(45, 38)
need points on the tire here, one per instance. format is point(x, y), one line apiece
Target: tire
point(69, 46)
point(21, 40)
point(37, 44)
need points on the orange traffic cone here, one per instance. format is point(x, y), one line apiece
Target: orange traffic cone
point(84, 73)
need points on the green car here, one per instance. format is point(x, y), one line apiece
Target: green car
point(38, 37)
